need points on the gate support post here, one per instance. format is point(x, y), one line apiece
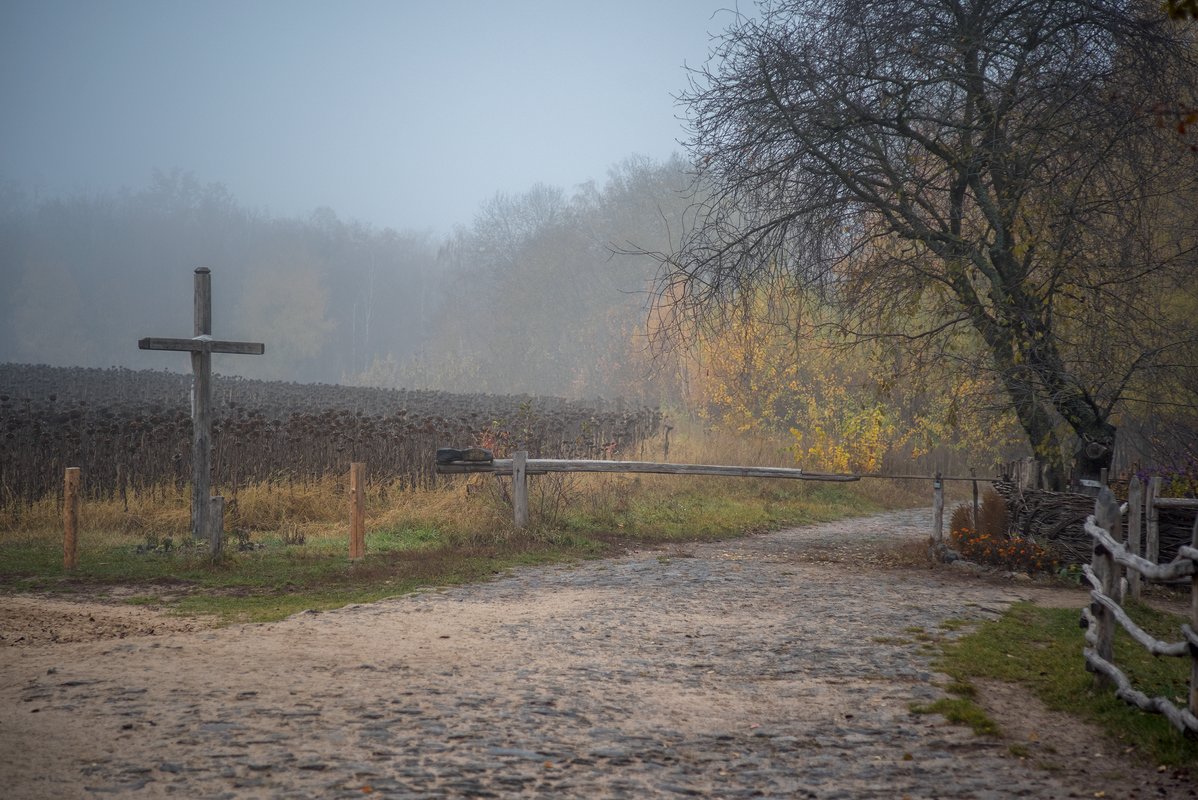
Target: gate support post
point(520, 488)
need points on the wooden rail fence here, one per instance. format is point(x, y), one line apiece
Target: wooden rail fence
point(1111, 557)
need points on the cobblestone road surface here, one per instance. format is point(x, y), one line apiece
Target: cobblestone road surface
point(745, 668)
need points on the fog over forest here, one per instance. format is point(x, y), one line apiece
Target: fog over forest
point(384, 192)
point(529, 298)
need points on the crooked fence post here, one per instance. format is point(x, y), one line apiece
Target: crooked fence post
point(520, 488)
point(1135, 500)
point(70, 519)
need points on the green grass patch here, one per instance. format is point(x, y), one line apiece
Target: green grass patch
point(961, 711)
point(698, 509)
point(1041, 648)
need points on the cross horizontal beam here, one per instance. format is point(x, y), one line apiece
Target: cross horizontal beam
point(201, 344)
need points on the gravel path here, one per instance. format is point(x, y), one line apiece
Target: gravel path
point(761, 667)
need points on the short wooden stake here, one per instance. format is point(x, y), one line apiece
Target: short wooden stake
point(357, 509)
point(1135, 501)
point(216, 525)
point(938, 510)
point(70, 519)
point(520, 488)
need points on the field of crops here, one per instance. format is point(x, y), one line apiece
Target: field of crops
point(130, 431)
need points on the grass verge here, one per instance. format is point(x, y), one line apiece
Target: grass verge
point(294, 555)
point(1041, 649)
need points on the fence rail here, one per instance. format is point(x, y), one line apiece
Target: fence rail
point(1104, 611)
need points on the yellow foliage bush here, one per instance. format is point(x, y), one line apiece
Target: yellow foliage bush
point(777, 366)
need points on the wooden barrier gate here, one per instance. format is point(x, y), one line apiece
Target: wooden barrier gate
point(520, 466)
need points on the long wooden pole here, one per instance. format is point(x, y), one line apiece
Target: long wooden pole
point(357, 509)
point(536, 466)
point(70, 519)
point(201, 408)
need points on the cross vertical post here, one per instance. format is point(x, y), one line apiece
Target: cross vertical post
point(201, 412)
point(202, 346)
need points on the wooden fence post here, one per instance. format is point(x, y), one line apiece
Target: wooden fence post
point(1152, 545)
point(1135, 523)
point(937, 511)
point(70, 519)
point(216, 524)
point(520, 488)
point(974, 520)
point(1194, 627)
point(1106, 515)
point(1135, 500)
point(1029, 473)
point(357, 509)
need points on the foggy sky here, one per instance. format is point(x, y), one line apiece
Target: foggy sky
point(399, 114)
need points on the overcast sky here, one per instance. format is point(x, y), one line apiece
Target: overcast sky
point(403, 114)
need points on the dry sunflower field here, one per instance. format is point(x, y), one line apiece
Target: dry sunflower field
point(130, 432)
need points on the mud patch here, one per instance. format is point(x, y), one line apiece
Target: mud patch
point(27, 621)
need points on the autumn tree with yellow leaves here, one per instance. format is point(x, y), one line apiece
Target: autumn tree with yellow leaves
point(981, 179)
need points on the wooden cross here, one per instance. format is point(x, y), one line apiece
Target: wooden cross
point(201, 347)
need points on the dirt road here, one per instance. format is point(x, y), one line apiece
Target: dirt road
point(773, 666)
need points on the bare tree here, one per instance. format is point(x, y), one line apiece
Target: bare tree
point(986, 169)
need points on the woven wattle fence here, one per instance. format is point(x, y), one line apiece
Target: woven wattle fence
point(1058, 519)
